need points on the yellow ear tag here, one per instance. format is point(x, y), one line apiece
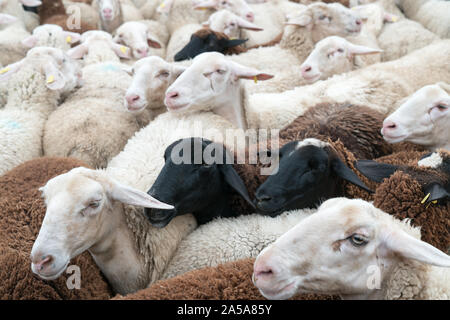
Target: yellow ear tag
point(4, 70)
point(202, 8)
point(233, 38)
point(51, 79)
point(394, 19)
point(162, 5)
point(123, 49)
point(255, 78)
point(425, 199)
point(68, 39)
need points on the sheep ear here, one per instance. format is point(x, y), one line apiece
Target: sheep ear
point(243, 72)
point(153, 43)
point(9, 70)
point(136, 197)
point(235, 182)
point(436, 191)
point(205, 24)
point(78, 52)
point(244, 24)
point(375, 171)
point(31, 3)
point(54, 79)
point(304, 19)
point(354, 49)
point(7, 19)
point(403, 244)
point(389, 17)
point(72, 37)
point(347, 174)
point(121, 51)
point(30, 41)
point(234, 42)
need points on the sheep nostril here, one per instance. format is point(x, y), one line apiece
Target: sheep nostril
point(390, 125)
point(172, 95)
point(46, 260)
point(132, 98)
point(358, 22)
point(264, 198)
point(307, 69)
point(250, 17)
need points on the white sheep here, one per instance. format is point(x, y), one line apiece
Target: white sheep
point(148, 249)
point(11, 35)
point(115, 12)
point(333, 55)
point(51, 35)
point(229, 23)
point(380, 86)
point(353, 249)
point(93, 124)
point(98, 46)
point(145, 38)
point(15, 8)
point(305, 27)
point(35, 85)
point(212, 83)
point(151, 78)
point(422, 119)
point(433, 14)
point(230, 239)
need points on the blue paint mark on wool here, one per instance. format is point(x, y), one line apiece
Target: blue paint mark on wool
point(10, 124)
point(110, 67)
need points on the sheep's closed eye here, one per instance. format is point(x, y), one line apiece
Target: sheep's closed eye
point(220, 71)
point(441, 107)
point(163, 74)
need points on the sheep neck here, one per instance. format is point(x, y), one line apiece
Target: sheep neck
point(217, 207)
point(132, 254)
point(298, 41)
point(231, 106)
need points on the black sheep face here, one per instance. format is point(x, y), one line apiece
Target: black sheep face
point(308, 173)
point(194, 182)
point(198, 45)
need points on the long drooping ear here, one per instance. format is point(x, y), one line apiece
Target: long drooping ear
point(243, 72)
point(136, 197)
point(245, 24)
point(205, 4)
point(354, 49)
point(344, 172)
point(152, 41)
point(235, 182)
point(78, 52)
point(121, 51)
point(54, 79)
point(233, 43)
point(9, 70)
point(401, 243)
point(31, 3)
point(7, 18)
point(30, 41)
point(436, 191)
point(72, 37)
point(375, 171)
point(302, 19)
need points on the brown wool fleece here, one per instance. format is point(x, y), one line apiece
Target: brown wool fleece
point(229, 281)
point(401, 196)
point(22, 210)
point(357, 126)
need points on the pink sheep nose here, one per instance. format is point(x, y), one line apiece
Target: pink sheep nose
point(358, 22)
point(306, 69)
point(171, 95)
point(250, 16)
point(132, 99)
point(107, 11)
point(43, 263)
point(389, 125)
point(262, 273)
point(143, 52)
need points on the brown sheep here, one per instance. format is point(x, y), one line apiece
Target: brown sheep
point(54, 12)
point(404, 193)
point(229, 281)
point(21, 213)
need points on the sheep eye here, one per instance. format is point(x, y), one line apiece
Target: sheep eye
point(441, 107)
point(322, 17)
point(164, 74)
point(220, 71)
point(224, 3)
point(340, 50)
point(94, 204)
point(358, 240)
point(232, 24)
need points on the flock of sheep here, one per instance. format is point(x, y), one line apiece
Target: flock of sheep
point(100, 99)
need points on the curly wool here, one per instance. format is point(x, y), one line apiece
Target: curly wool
point(229, 281)
point(357, 126)
point(22, 210)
